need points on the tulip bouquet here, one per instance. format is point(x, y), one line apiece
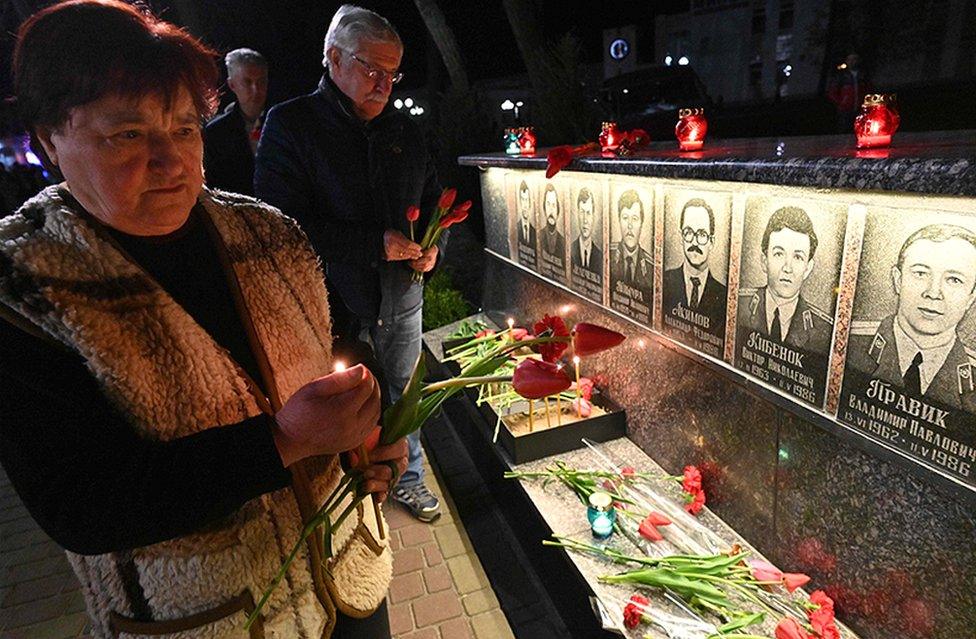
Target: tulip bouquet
point(443, 218)
point(420, 401)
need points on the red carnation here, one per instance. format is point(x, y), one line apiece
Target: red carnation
point(634, 611)
point(692, 480)
point(557, 328)
point(695, 502)
point(585, 387)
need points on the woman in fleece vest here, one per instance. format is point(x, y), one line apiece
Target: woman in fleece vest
point(169, 415)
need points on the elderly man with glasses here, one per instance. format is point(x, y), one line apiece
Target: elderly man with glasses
point(346, 165)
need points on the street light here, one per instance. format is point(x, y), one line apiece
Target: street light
point(668, 59)
point(398, 103)
point(683, 60)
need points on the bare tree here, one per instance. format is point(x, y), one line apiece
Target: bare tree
point(446, 43)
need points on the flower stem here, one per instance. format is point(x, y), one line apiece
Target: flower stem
point(461, 382)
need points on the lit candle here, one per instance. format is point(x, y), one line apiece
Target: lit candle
point(511, 325)
point(576, 362)
point(339, 366)
point(559, 402)
point(601, 514)
point(877, 121)
point(690, 129)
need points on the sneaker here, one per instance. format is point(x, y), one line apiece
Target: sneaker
point(421, 503)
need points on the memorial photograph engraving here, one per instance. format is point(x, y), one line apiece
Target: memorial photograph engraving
point(696, 262)
point(552, 234)
point(908, 376)
point(524, 221)
point(586, 231)
point(791, 261)
point(631, 214)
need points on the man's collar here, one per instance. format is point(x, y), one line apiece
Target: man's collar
point(334, 96)
point(687, 273)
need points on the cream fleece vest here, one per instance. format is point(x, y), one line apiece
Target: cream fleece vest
point(168, 376)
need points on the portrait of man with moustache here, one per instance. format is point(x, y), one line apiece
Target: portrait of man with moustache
point(694, 300)
point(781, 337)
point(586, 254)
point(631, 265)
point(525, 226)
point(552, 240)
point(909, 376)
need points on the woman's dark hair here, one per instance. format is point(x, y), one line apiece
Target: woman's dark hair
point(79, 51)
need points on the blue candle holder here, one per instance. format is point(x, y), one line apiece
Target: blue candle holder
point(601, 515)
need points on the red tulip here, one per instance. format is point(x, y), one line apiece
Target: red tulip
point(649, 531)
point(657, 518)
point(447, 198)
point(590, 338)
point(519, 334)
point(413, 213)
point(790, 628)
point(463, 206)
point(794, 580)
point(557, 159)
point(485, 332)
point(534, 379)
point(764, 571)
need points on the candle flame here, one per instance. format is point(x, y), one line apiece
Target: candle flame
point(576, 359)
point(511, 322)
point(340, 366)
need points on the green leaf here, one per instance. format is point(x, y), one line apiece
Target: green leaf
point(400, 419)
point(741, 621)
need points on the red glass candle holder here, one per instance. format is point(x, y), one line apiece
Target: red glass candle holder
point(877, 121)
point(526, 139)
point(610, 137)
point(691, 129)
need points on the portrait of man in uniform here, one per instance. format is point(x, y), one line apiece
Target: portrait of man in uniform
point(586, 250)
point(908, 377)
point(630, 263)
point(525, 225)
point(782, 334)
point(779, 310)
point(918, 349)
point(552, 240)
point(691, 292)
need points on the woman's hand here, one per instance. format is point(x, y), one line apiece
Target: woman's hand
point(328, 415)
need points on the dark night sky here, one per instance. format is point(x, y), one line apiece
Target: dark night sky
point(290, 33)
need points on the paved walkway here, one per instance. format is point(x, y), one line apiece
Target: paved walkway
point(439, 589)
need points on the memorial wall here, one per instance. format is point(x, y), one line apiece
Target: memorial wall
point(807, 342)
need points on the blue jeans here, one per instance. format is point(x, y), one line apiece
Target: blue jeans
point(396, 340)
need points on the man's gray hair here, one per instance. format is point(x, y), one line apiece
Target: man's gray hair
point(240, 57)
point(351, 25)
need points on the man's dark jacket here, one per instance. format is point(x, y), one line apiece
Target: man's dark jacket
point(346, 182)
point(227, 155)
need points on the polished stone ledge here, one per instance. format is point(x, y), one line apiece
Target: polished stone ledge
point(938, 162)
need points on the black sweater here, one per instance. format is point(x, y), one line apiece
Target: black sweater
point(91, 482)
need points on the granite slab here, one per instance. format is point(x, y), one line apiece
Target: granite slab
point(941, 162)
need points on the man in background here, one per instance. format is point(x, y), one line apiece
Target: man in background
point(231, 138)
point(346, 165)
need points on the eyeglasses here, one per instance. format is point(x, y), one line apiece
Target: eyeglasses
point(701, 236)
point(375, 74)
